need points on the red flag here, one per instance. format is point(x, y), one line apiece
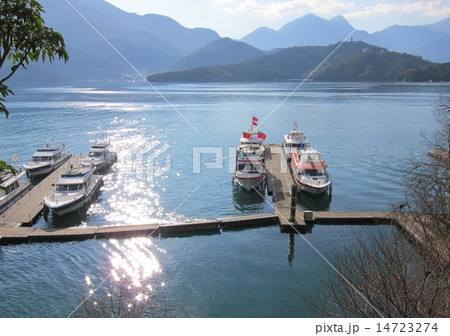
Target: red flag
point(262, 136)
point(254, 121)
point(246, 135)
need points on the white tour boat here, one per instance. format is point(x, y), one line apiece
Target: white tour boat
point(74, 189)
point(46, 159)
point(100, 156)
point(293, 142)
point(309, 171)
point(249, 172)
point(12, 187)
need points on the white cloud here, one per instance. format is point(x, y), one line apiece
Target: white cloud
point(278, 9)
point(433, 9)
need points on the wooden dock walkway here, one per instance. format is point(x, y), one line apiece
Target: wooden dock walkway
point(279, 184)
point(20, 235)
point(27, 208)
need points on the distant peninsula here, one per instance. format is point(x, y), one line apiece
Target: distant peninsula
point(351, 61)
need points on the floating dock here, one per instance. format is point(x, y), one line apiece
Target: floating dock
point(20, 235)
point(30, 205)
point(279, 185)
point(15, 223)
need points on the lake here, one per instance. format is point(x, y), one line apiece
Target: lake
point(175, 164)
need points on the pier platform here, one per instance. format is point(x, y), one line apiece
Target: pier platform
point(279, 185)
point(29, 206)
point(19, 235)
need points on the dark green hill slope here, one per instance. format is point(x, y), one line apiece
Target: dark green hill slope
point(353, 61)
point(434, 73)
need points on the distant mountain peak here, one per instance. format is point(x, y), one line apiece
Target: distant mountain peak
point(430, 41)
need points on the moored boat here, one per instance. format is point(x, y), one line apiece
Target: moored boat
point(294, 141)
point(46, 159)
point(74, 189)
point(12, 187)
point(309, 171)
point(249, 172)
point(100, 156)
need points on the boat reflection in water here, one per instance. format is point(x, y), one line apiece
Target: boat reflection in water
point(248, 202)
point(308, 201)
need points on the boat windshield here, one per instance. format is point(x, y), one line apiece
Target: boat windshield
point(298, 145)
point(315, 173)
point(41, 158)
point(311, 157)
point(68, 187)
point(250, 168)
point(95, 154)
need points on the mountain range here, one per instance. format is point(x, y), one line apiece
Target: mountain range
point(105, 42)
point(432, 41)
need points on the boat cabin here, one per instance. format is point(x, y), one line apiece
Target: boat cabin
point(47, 154)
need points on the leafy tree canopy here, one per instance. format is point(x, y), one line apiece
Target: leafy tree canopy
point(24, 38)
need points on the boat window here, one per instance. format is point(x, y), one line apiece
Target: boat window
point(40, 158)
point(250, 168)
point(62, 187)
point(12, 187)
point(74, 187)
point(95, 154)
point(314, 173)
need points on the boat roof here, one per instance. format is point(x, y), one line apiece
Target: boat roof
point(97, 149)
point(100, 145)
point(295, 137)
point(9, 178)
point(309, 160)
point(41, 153)
point(252, 136)
point(47, 150)
point(74, 175)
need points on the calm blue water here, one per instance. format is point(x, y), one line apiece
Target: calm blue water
point(174, 165)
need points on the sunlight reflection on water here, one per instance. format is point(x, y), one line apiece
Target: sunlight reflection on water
point(132, 285)
point(134, 258)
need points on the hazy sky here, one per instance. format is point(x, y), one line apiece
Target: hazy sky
point(237, 18)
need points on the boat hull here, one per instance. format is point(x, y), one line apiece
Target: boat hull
point(315, 189)
point(62, 208)
point(101, 164)
point(249, 183)
point(9, 199)
point(38, 170)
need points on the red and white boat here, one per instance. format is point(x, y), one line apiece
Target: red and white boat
point(249, 172)
point(309, 170)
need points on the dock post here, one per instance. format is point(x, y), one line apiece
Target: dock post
point(293, 203)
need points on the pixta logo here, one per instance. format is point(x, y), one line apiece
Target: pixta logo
point(150, 160)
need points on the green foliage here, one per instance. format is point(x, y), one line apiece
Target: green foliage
point(352, 61)
point(5, 168)
point(24, 38)
point(434, 72)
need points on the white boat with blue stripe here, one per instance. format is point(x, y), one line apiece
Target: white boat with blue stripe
point(74, 190)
